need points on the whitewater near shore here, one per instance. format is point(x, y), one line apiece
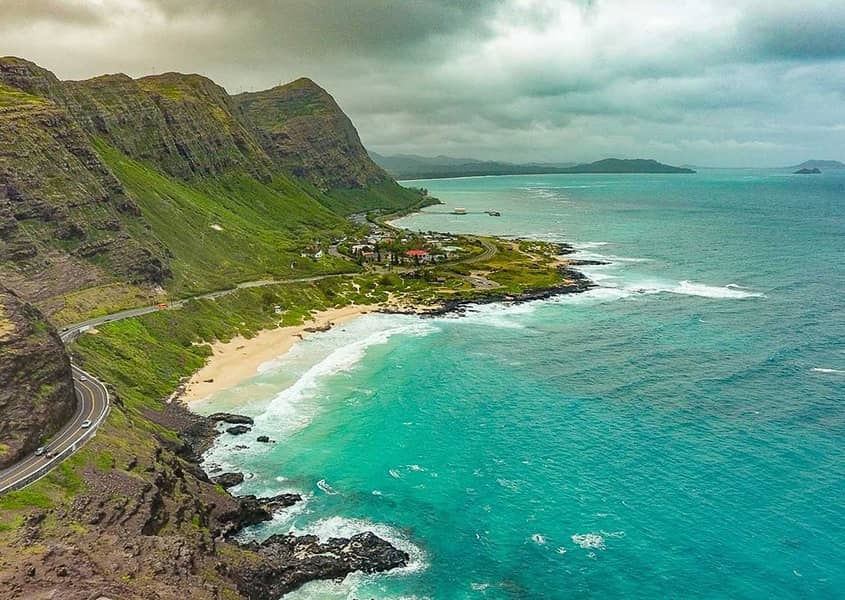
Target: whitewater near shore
point(240, 358)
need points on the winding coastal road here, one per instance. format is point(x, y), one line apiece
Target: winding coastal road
point(93, 397)
point(92, 407)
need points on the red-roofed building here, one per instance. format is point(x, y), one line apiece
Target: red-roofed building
point(416, 253)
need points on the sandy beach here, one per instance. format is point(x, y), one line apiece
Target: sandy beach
point(239, 358)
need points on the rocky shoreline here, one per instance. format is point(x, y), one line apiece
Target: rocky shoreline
point(151, 522)
point(576, 284)
point(287, 561)
point(290, 560)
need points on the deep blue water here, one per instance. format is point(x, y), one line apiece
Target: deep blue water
point(677, 432)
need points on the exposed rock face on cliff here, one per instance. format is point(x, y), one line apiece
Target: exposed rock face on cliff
point(36, 387)
point(305, 132)
point(185, 124)
point(66, 222)
point(70, 152)
point(149, 524)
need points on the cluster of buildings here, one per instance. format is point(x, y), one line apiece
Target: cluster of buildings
point(386, 247)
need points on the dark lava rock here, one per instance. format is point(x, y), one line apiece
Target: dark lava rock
point(231, 418)
point(228, 480)
point(237, 429)
point(36, 385)
point(262, 438)
point(252, 510)
point(291, 561)
point(281, 501)
point(813, 171)
point(579, 262)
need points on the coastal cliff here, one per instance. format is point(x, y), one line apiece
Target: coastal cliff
point(66, 222)
point(146, 522)
point(36, 388)
point(139, 187)
point(306, 133)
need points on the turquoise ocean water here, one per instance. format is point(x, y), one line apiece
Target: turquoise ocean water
point(677, 432)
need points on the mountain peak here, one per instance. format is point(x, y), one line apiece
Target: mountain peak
point(306, 132)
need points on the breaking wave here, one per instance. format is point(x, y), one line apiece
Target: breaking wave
point(285, 412)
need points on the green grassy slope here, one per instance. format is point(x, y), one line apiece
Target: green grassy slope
point(388, 196)
point(228, 229)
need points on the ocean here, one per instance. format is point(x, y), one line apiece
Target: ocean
point(677, 432)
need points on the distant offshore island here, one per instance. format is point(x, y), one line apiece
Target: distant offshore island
point(816, 166)
point(409, 166)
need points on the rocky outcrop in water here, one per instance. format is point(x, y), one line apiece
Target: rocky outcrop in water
point(227, 480)
point(237, 430)
point(293, 560)
point(252, 510)
point(230, 418)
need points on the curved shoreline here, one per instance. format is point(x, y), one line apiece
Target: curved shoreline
point(238, 359)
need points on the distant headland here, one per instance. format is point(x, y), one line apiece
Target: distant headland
point(409, 166)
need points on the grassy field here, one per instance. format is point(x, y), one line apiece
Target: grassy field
point(388, 196)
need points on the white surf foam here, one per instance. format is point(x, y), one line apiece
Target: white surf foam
point(609, 276)
point(539, 539)
point(504, 316)
point(828, 371)
point(325, 487)
point(341, 527)
point(710, 291)
point(589, 541)
point(285, 412)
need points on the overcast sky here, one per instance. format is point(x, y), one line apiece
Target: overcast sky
point(709, 82)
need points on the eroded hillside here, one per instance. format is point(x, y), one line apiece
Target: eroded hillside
point(116, 192)
point(36, 389)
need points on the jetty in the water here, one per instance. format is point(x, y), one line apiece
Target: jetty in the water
point(463, 211)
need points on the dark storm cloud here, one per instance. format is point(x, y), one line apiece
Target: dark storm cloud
point(717, 81)
point(327, 27)
point(63, 11)
point(797, 30)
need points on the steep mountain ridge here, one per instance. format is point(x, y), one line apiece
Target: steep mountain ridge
point(63, 213)
point(168, 183)
point(306, 133)
point(183, 124)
